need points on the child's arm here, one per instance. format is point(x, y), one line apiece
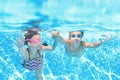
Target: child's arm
point(57, 37)
point(92, 45)
point(20, 42)
point(96, 44)
point(45, 47)
point(21, 48)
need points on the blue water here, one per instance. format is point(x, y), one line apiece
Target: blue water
point(95, 17)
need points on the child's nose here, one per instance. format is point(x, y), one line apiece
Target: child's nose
point(76, 37)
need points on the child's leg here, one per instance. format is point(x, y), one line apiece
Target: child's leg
point(38, 74)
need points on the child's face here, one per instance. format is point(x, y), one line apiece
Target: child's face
point(75, 37)
point(35, 40)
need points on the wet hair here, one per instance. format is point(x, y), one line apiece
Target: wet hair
point(32, 29)
point(81, 33)
point(29, 35)
point(78, 31)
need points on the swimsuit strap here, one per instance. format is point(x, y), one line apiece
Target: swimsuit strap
point(28, 49)
point(39, 53)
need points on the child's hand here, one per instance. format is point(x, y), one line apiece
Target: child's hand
point(20, 41)
point(106, 38)
point(55, 33)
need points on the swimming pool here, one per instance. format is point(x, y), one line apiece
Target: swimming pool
point(96, 17)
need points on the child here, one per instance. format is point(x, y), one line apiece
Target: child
point(74, 45)
point(33, 54)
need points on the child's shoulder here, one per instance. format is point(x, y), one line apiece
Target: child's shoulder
point(84, 43)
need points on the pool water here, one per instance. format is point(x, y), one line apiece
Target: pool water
point(95, 18)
